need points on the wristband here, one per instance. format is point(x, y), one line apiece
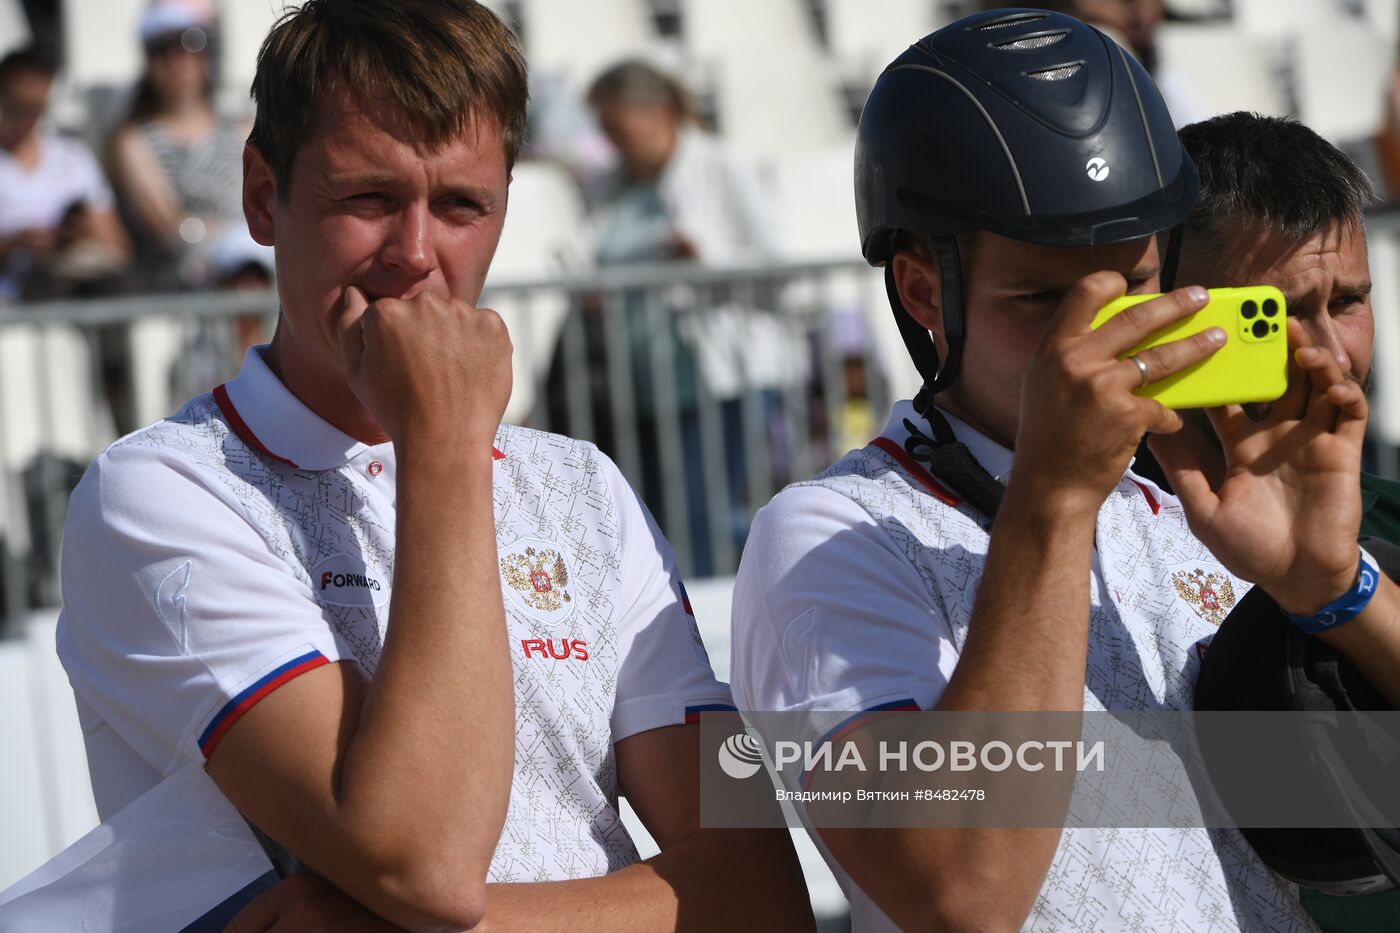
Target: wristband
point(1345, 607)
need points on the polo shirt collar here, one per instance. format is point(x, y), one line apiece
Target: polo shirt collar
point(273, 421)
point(995, 458)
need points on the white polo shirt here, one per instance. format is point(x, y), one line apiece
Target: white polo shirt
point(854, 594)
point(215, 555)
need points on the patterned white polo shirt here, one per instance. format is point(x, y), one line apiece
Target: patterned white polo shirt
point(855, 592)
point(216, 555)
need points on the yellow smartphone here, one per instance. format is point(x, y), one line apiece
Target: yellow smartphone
point(1251, 367)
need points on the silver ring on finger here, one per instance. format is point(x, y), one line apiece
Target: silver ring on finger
point(1142, 370)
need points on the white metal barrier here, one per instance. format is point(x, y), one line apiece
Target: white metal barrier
point(711, 388)
point(45, 797)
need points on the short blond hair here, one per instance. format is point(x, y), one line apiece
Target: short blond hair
point(442, 64)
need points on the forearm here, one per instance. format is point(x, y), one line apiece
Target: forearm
point(712, 880)
point(1371, 641)
point(428, 769)
point(1027, 640)
point(103, 227)
point(1026, 651)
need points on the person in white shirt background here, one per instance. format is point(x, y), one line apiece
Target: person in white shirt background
point(992, 551)
point(679, 194)
point(231, 573)
point(53, 196)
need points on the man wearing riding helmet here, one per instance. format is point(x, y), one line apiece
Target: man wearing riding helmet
point(1011, 172)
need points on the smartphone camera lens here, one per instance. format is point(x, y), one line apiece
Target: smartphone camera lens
point(1270, 307)
point(1248, 310)
point(1260, 329)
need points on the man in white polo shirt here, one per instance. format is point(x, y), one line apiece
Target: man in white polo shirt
point(991, 551)
point(230, 573)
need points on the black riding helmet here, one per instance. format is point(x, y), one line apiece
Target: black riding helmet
point(1025, 123)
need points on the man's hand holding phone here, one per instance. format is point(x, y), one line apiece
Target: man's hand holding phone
point(1287, 514)
point(1080, 421)
point(1252, 367)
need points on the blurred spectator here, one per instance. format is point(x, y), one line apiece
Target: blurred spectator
point(1379, 156)
point(176, 164)
point(678, 194)
point(1133, 24)
point(57, 225)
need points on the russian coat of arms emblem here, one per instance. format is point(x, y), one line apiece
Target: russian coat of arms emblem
point(536, 577)
point(1210, 594)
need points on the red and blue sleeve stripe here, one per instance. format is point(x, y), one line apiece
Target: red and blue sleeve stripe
point(685, 598)
point(234, 709)
point(692, 713)
point(861, 718)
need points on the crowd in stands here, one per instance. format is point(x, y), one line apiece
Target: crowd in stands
point(147, 199)
point(150, 209)
point(169, 169)
point(152, 213)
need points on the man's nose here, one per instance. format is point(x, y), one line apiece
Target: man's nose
point(410, 248)
point(1323, 332)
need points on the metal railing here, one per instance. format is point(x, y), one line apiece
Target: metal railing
point(710, 388)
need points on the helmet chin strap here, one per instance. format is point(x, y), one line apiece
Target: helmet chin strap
point(946, 457)
point(937, 375)
point(1172, 258)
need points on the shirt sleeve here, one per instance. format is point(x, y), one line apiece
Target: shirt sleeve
point(830, 615)
point(664, 676)
point(178, 617)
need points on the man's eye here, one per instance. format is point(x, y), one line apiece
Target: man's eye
point(464, 204)
point(1137, 286)
point(1041, 298)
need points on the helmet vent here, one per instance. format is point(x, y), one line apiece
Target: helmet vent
point(1055, 74)
point(1017, 20)
point(1031, 42)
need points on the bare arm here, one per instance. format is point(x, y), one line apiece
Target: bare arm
point(1288, 511)
point(1027, 638)
point(1372, 640)
point(141, 184)
point(365, 778)
point(102, 226)
point(704, 879)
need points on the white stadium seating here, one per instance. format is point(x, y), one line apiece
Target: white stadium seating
point(1223, 68)
point(14, 28)
point(243, 24)
point(864, 43)
point(575, 41)
point(101, 44)
point(1341, 72)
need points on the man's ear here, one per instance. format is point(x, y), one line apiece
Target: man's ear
point(259, 195)
point(920, 287)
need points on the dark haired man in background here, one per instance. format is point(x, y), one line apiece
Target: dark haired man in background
point(1281, 206)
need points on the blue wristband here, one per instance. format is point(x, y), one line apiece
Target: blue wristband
point(1347, 606)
